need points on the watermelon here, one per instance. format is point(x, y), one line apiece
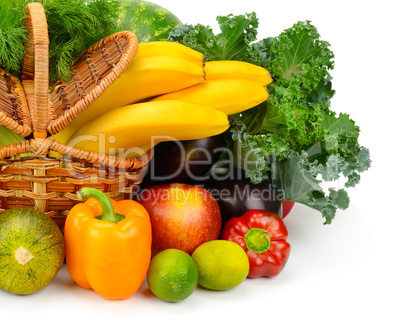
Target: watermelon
point(32, 250)
point(149, 21)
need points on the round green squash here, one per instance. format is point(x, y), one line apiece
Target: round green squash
point(32, 250)
point(149, 21)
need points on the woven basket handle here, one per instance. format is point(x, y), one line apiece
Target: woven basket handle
point(35, 67)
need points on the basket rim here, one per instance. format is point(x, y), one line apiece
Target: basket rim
point(25, 128)
point(41, 149)
point(56, 125)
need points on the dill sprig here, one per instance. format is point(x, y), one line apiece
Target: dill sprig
point(12, 36)
point(73, 26)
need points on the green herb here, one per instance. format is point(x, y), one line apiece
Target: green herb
point(294, 140)
point(12, 36)
point(73, 26)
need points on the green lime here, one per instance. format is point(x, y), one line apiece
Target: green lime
point(172, 275)
point(221, 264)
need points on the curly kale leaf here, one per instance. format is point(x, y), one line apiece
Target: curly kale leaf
point(232, 43)
point(294, 139)
point(297, 142)
point(302, 175)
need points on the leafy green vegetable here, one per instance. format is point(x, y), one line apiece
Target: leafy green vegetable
point(73, 26)
point(294, 140)
point(12, 37)
point(232, 43)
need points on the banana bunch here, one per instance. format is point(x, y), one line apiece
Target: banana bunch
point(158, 68)
point(134, 129)
point(230, 87)
point(168, 92)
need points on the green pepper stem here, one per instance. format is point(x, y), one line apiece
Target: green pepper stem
point(108, 213)
point(257, 240)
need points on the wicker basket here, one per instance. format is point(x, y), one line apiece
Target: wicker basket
point(34, 109)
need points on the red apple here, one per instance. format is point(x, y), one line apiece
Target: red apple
point(182, 216)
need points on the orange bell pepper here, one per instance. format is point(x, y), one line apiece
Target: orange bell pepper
point(108, 244)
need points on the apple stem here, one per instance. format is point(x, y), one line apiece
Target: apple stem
point(108, 213)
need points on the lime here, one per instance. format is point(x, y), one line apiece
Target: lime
point(221, 264)
point(172, 275)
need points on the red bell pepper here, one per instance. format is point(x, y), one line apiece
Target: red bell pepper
point(263, 236)
point(286, 208)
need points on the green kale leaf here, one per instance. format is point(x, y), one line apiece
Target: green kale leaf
point(234, 41)
point(294, 139)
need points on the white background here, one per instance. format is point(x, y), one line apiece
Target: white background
point(343, 277)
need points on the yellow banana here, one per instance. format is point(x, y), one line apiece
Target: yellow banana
point(144, 78)
point(224, 69)
point(170, 49)
point(122, 130)
point(227, 95)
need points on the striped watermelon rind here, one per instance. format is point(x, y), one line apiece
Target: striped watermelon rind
point(149, 21)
